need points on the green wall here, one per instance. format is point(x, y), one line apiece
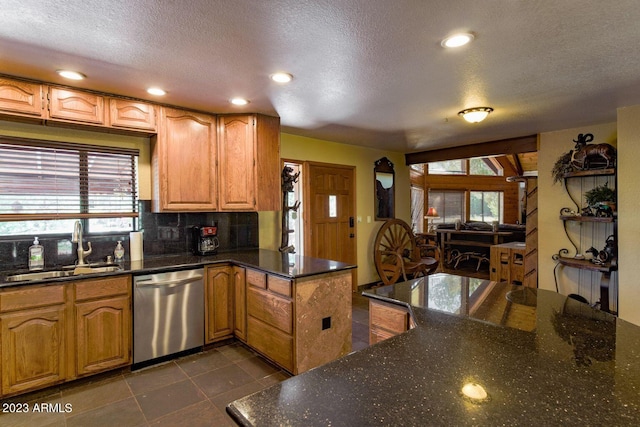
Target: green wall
point(301, 148)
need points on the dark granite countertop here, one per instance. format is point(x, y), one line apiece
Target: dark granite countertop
point(286, 265)
point(569, 364)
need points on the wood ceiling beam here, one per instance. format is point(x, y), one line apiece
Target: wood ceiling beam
point(518, 165)
point(523, 144)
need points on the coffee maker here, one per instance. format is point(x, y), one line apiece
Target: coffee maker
point(205, 239)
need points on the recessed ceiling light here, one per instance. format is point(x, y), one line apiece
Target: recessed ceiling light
point(239, 101)
point(475, 115)
point(156, 91)
point(457, 40)
point(281, 77)
point(71, 75)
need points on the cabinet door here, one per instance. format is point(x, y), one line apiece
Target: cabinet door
point(33, 350)
point(386, 321)
point(20, 98)
point(103, 334)
point(219, 297)
point(184, 162)
point(240, 303)
point(127, 114)
point(76, 106)
point(237, 163)
point(268, 170)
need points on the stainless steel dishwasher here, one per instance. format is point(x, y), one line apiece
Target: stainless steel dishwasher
point(168, 314)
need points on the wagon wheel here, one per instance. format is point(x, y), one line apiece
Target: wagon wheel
point(393, 246)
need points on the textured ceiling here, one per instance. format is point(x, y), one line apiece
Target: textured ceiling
point(367, 72)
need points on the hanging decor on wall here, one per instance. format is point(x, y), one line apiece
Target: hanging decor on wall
point(584, 156)
point(384, 188)
point(288, 179)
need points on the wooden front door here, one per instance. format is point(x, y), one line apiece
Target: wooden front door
point(329, 213)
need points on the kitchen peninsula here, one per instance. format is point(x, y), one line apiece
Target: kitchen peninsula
point(294, 310)
point(578, 366)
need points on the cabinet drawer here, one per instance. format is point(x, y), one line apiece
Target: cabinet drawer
point(378, 335)
point(99, 288)
point(256, 278)
point(31, 296)
point(271, 309)
point(279, 285)
point(387, 317)
point(271, 342)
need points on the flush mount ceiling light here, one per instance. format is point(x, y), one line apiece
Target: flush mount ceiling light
point(281, 77)
point(475, 115)
point(457, 40)
point(71, 75)
point(156, 91)
point(239, 101)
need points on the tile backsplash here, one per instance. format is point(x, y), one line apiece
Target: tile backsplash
point(164, 234)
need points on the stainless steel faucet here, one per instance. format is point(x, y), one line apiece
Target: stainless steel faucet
point(76, 237)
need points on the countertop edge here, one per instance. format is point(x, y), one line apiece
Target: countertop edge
point(158, 264)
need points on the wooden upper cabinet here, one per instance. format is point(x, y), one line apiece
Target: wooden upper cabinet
point(76, 106)
point(128, 114)
point(249, 147)
point(184, 162)
point(237, 170)
point(19, 98)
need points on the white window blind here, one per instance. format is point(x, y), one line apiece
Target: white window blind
point(55, 180)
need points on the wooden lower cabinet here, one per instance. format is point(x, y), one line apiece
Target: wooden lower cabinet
point(33, 343)
point(387, 320)
point(33, 349)
point(240, 303)
point(272, 342)
point(219, 303)
point(299, 324)
point(51, 334)
point(270, 318)
point(103, 324)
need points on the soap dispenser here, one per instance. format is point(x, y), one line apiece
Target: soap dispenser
point(36, 255)
point(118, 252)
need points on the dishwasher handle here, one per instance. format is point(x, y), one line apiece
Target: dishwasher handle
point(150, 283)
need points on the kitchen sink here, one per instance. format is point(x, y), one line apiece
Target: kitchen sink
point(40, 275)
point(91, 270)
point(65, 272)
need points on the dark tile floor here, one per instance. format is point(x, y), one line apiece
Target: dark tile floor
point(191, 391)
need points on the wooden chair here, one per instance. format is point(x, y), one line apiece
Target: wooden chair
point(396, 253)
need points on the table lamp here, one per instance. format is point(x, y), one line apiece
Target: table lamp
point(432, 214)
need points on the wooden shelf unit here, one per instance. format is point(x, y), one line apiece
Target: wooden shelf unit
point(507, 263)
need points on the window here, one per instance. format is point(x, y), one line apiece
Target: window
point(448, 167)
point(488, 166)
point(417, 209)
point(486, 206)
point(449, 204)
point(45, 186)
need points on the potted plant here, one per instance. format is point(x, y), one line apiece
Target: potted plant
point(601, 194)
point(561, 167)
